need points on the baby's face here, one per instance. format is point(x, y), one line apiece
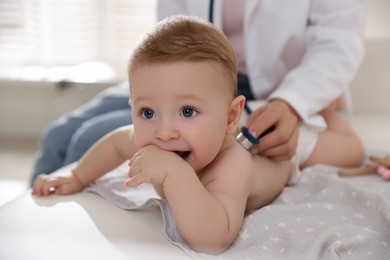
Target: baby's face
point(181, 107)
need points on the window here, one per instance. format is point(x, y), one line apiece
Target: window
point(51, 33)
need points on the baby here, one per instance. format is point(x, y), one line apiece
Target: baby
point(185, 112)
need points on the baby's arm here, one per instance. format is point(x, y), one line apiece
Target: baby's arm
point(208, 212)
point(108, 153)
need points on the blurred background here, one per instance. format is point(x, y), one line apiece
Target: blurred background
point(57, 54)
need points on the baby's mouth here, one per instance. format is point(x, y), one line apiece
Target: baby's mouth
point(183, 154)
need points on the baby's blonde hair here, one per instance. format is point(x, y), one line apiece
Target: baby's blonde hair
point(186, 38)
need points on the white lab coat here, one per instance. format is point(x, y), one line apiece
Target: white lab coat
point(303, 51)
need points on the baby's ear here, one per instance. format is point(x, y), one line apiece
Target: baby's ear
point(129, 102)
point(234, 113)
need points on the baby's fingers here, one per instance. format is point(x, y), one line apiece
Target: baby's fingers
point(134, 169)
point(135, 181)
point(37, 185)
point(43, 185)
point(65, 186)
point(134, 158)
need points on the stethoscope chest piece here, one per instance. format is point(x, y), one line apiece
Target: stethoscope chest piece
point(246, 139)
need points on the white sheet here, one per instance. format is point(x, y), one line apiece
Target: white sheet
point(322, 217)
point(78, 227)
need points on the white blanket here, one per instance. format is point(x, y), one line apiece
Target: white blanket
point(324, 216)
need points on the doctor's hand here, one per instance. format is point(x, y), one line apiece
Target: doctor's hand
point(279, 144)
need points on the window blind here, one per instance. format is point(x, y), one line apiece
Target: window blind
point(68, 32)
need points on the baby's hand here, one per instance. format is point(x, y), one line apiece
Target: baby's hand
point(58, 183)
point(152, 165)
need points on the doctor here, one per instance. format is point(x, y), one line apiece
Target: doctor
point(299, 56)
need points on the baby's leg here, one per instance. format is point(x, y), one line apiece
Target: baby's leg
point(338, 145)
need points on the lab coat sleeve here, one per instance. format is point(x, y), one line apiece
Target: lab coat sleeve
point(333, 55)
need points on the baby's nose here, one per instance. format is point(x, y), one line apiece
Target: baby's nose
point(167, 131)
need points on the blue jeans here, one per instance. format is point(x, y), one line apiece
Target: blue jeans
point(70, 136)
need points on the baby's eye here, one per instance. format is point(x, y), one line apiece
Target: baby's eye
point(188, 112)
point(147, 113)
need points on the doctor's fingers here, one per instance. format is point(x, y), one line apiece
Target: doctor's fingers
point(252, 117)
point(277, 113)
point(284, 132)
point(283, 151)
point(263, 121)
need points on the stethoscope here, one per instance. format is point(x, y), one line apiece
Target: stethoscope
point(211, 11)
point(244, 137)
